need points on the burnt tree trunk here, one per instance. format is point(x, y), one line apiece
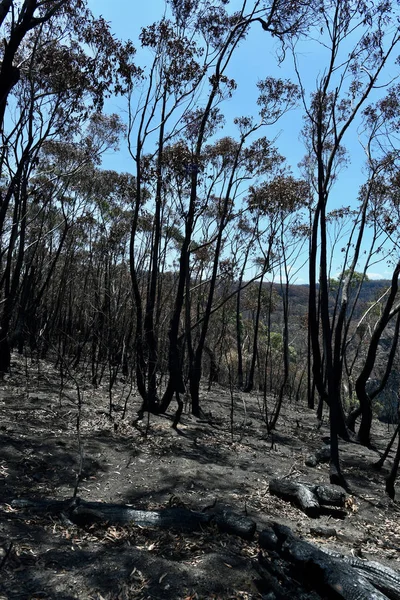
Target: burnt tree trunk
point(361, 382)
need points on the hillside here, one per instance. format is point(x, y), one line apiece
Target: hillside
point(298, 294)
point(226, 459)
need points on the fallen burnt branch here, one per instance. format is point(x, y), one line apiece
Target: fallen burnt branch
point(330, 575)
point(84, 513)
point(312, 499)
point(297, 493)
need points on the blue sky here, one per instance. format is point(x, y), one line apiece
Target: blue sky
point(255, 59)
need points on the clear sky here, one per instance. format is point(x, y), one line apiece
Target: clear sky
point(255, 59)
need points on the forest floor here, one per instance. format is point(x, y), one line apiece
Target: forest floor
point(226, 457)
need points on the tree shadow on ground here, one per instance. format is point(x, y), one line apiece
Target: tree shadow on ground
point(151, 563)
point(39, 468)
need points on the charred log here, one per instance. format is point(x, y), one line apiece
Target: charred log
point(297, 493)
point(312, 499)
point(83, 513)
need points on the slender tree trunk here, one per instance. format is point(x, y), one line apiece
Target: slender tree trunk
point(149, 319)
point(195, 370)
point(250, 377)
point(379, 464)
point(285, 348)
point(355, 413)
point(337, 425)
point(239, 329)
point(12, 280)
point(239, 322)
point(176, 383)
point(390, 481)
point(137, 297)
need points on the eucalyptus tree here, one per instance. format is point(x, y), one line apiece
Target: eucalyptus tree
point(279, 203)
point(358, 41)
point(242, 246)
point(187, 81)
point(381, 192)
point(290, 198)
point(236, 163)
point(173, 77)
point(377, 215)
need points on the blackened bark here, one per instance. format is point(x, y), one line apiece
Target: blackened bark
point(149, 319)
point(5, 354)
point(328, 573)
point(352, 418)
point(312, 499)
point(195, 369)
point(140, 362)
point(250, 377)
point(379, 464)
point(214, 368)
point(361, 382)
point(297, 493)
point(87, 513)
point(12, 271)
point(390, 481)
point(389, 364)
point(175, 379)
point(356, 412)
point(239, 327)
point(286, 355)
point(310, 379)
point(239, 322)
